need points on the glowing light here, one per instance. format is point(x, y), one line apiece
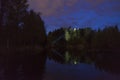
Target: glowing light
point(74, 29)
point(75, 62)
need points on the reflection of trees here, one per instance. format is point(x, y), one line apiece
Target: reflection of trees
point(23, 66)
point(108, 62)
point(103, 61)
point(56, 56)
point(68, 57)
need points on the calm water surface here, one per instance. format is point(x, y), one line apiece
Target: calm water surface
point(81, 71)
point(59, 65)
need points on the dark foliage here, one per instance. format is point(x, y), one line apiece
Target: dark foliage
point(87, 39)
point(18, 26)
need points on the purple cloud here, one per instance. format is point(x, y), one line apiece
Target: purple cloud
point(80, 12)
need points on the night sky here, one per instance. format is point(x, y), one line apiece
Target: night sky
point(78, 13)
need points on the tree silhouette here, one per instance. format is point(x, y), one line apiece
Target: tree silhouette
point(34, 30)
point(20, 26)
point(12, 12)
point(88, 40)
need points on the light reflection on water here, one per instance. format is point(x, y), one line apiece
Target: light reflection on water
point(80, 71)
point(78, 66)
point(59, 65)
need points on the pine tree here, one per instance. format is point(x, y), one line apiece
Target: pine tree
point(15, 13)
point(34, 29)
point(12, 12)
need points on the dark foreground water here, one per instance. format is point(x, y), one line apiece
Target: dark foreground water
point(81, 71)
point(59, 65)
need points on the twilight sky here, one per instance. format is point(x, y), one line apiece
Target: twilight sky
point(78, 13)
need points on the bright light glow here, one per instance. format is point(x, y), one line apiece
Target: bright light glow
point(74, 29)
point(75, 62)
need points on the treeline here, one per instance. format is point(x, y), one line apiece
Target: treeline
point(107, 39)
point(20, 26)
point(56, 38)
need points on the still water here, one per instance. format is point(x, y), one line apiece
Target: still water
point(59, 65)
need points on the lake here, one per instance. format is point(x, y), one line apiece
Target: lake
point(59, 65)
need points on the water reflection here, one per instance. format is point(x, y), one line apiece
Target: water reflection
point(24, 65)
point(108, 62)
point(57, 64)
